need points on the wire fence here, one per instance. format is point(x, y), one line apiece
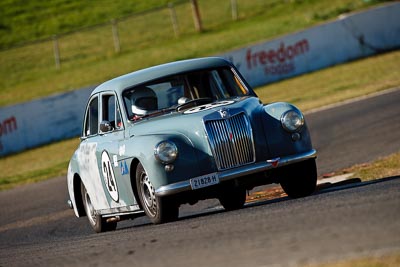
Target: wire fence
point(175, 20)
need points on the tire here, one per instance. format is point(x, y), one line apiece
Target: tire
point(233, 198)
point(300, 180)
point(159, 210)
point(98, 223)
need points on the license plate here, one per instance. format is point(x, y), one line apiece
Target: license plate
point(204, 181)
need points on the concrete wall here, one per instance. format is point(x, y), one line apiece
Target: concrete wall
point(350, 37)
point(42, 121)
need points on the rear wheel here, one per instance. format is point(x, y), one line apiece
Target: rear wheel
point(233, 198)
point(98, 223)
point(300, 179)
point(159, 210)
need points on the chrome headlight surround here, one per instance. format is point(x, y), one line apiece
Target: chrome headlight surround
point(292, 120)
point(166, 152)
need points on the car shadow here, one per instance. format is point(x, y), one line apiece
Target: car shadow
point(322, 188)
point(352, 183)
point(325, 188)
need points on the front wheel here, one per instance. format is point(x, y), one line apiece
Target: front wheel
point(233, 198)
point(98, 223)
point(300, 179)
point(159, 210)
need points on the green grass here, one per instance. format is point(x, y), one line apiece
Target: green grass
point(88, 57)
point(388, 166)
point(36, 164)
point(336, 84)
point(307, 91)
point(387, 260)
point(25, 21)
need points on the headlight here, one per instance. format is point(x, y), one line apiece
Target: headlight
point(292, 120)
point(166, 152)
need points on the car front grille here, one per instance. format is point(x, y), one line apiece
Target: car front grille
point(231, 141)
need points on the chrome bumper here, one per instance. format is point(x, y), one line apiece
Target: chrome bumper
point(226, 175)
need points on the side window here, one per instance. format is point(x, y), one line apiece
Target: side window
point(111, 111)
point(92, 118)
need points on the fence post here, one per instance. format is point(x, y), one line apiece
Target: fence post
point(117, 45)
point(196, 16)
point(56, 52)
point(234, 9)
point(174, 19)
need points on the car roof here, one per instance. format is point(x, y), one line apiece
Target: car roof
point(145, 75)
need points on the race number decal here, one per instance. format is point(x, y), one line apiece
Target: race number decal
point(108, 176)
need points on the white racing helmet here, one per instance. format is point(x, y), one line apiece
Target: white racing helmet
point(143, 101)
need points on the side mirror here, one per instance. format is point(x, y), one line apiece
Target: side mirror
point(105, 127)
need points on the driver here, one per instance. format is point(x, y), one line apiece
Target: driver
point(143, 102)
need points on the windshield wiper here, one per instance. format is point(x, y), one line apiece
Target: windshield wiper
point(194, 102)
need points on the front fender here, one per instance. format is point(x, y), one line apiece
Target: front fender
point(280, 141)
point(185, 166)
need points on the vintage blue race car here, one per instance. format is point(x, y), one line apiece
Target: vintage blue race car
point(179, 133)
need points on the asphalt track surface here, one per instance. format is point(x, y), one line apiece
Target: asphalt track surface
point(36, 228)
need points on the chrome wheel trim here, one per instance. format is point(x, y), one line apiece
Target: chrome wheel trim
point(148, 195)
point(90, 210)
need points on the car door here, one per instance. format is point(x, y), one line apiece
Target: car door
point(114, 168)
point(87, 156)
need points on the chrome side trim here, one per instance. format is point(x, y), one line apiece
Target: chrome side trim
point(226, 175)
point(134, 209)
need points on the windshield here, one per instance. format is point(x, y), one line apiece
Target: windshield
point(171, 92)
